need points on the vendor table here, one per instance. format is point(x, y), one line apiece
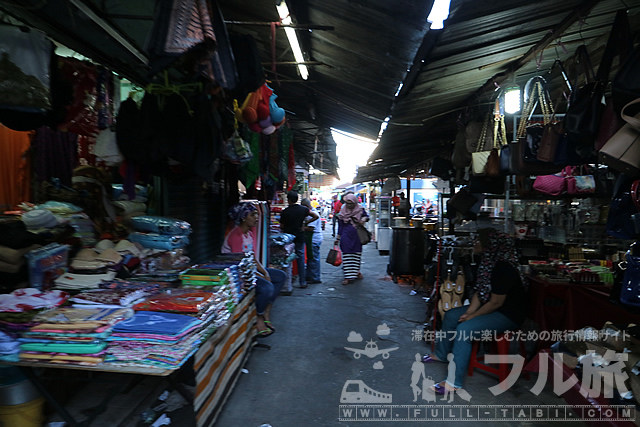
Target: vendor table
point(572, 396)
point(216, 365)
point(570, 306)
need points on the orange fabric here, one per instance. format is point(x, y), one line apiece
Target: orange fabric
point(14, 168)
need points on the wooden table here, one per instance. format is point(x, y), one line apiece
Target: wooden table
point(216, 365)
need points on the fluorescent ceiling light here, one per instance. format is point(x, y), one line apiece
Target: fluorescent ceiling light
point(439, 13)
point(283, 12)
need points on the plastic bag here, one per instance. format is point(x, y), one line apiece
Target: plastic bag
point(335, 256)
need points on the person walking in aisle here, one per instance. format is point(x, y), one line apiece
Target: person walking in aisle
point(292, 221)
point(313, 237)
point(351, 214)
point(336, 205)
point(242, 239)
point(496, 306)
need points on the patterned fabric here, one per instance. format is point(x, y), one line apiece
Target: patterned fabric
point(347, 214)
point(240, 211)
point(498, 247)
point(351, 265)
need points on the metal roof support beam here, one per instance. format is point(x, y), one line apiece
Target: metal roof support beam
point(108, 28)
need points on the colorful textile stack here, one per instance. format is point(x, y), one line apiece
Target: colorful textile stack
point(70, 335)
point(74, 281)
point(157, 232)
point(168, 328)
point(110, 298)
point(282, 249)
point(17, 311)
point(157, 339)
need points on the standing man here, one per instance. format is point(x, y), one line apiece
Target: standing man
point(336, 205)
point(293, 219)
point(313, 239)
point(404, 207)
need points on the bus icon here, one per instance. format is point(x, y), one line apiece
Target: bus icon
point(356, 391)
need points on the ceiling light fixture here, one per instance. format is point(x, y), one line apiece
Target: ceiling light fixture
point(285, 17)
point(439, 13)
point(512, 97)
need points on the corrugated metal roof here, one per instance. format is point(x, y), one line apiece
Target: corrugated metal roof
point(359, 63)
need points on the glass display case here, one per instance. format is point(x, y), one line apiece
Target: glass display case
point(383, 223)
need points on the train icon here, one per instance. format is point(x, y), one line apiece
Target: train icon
point(356, 391)
point(371, 350)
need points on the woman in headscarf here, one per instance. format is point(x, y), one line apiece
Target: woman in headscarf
point(241, 239)
point(350, 215)
point(498, 305)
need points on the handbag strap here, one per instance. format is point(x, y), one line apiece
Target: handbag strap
point(634, 193)
point(483, 133)
point(633, 121)
point(499, 129)
point(582, 60)
point(538, 94)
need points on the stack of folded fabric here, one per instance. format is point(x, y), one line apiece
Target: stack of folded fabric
point(70, 335)
point(157, 232)
point(15, 237)
point(110, 298)
point(78, 282)
point(154, 339)
point(17, 311)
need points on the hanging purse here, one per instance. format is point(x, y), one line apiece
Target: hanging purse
point(622, 151)
point(584, 115)
point(480, 156)
point(524, 150)
point(552, 185)
point(580, 183)
point(493, 167)
point(619, 223)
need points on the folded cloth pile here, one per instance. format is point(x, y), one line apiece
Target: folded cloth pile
point(29, 299)
point(9, 347)
point(75, 281)
point(70, 335)
point(157, 339)
point(110, 298)
point(15, 242)
point(157, 232)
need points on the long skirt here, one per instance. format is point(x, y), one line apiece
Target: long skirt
point(351, 265)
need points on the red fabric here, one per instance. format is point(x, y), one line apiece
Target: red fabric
point(336, 206)
point(82, 114)
point(177, 302)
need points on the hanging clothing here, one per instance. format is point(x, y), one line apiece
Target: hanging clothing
point(14, 168)
point(55, 155)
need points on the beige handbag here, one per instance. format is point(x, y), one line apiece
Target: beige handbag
point(622, 151)
point(480, 156)
point(488, 162)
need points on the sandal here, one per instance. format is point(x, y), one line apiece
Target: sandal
point(265, 333)
point(360, 276)
point(269, 325)
point(441, 388)
point(427, 358)
point(346, 282)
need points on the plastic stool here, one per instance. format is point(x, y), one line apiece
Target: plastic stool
point(499, 346)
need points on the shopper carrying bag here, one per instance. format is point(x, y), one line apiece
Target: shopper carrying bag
point(351, 216)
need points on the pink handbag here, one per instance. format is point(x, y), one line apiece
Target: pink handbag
point(552, 185)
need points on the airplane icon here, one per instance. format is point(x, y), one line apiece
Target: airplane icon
point(371, 350)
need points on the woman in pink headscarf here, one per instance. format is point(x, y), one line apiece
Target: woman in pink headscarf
point(350, 214)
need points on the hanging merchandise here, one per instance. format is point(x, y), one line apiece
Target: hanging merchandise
point(587, 103)
point(25, 94)
point(580, 181)
point(622, 151)
point(623, 206)
point(24, 69)
point(480, 156)
point(552, 185)
point(82, 113)
point(524, 151)
point(260, 111)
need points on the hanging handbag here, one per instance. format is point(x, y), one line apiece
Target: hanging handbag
point(552, 185)
point(480, 156)
point(493, 167)
point(622, 151)
point(462, 201)
point(524, 150)
point(584, 115)
point(619, 223)
point(579, 182)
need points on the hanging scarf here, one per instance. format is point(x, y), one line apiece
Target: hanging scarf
point(347, 214)
point(499, 247)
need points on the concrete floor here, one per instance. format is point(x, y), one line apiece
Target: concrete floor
point(299, 381)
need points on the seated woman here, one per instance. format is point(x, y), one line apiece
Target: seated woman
point(241, 239)
point(497, 305)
